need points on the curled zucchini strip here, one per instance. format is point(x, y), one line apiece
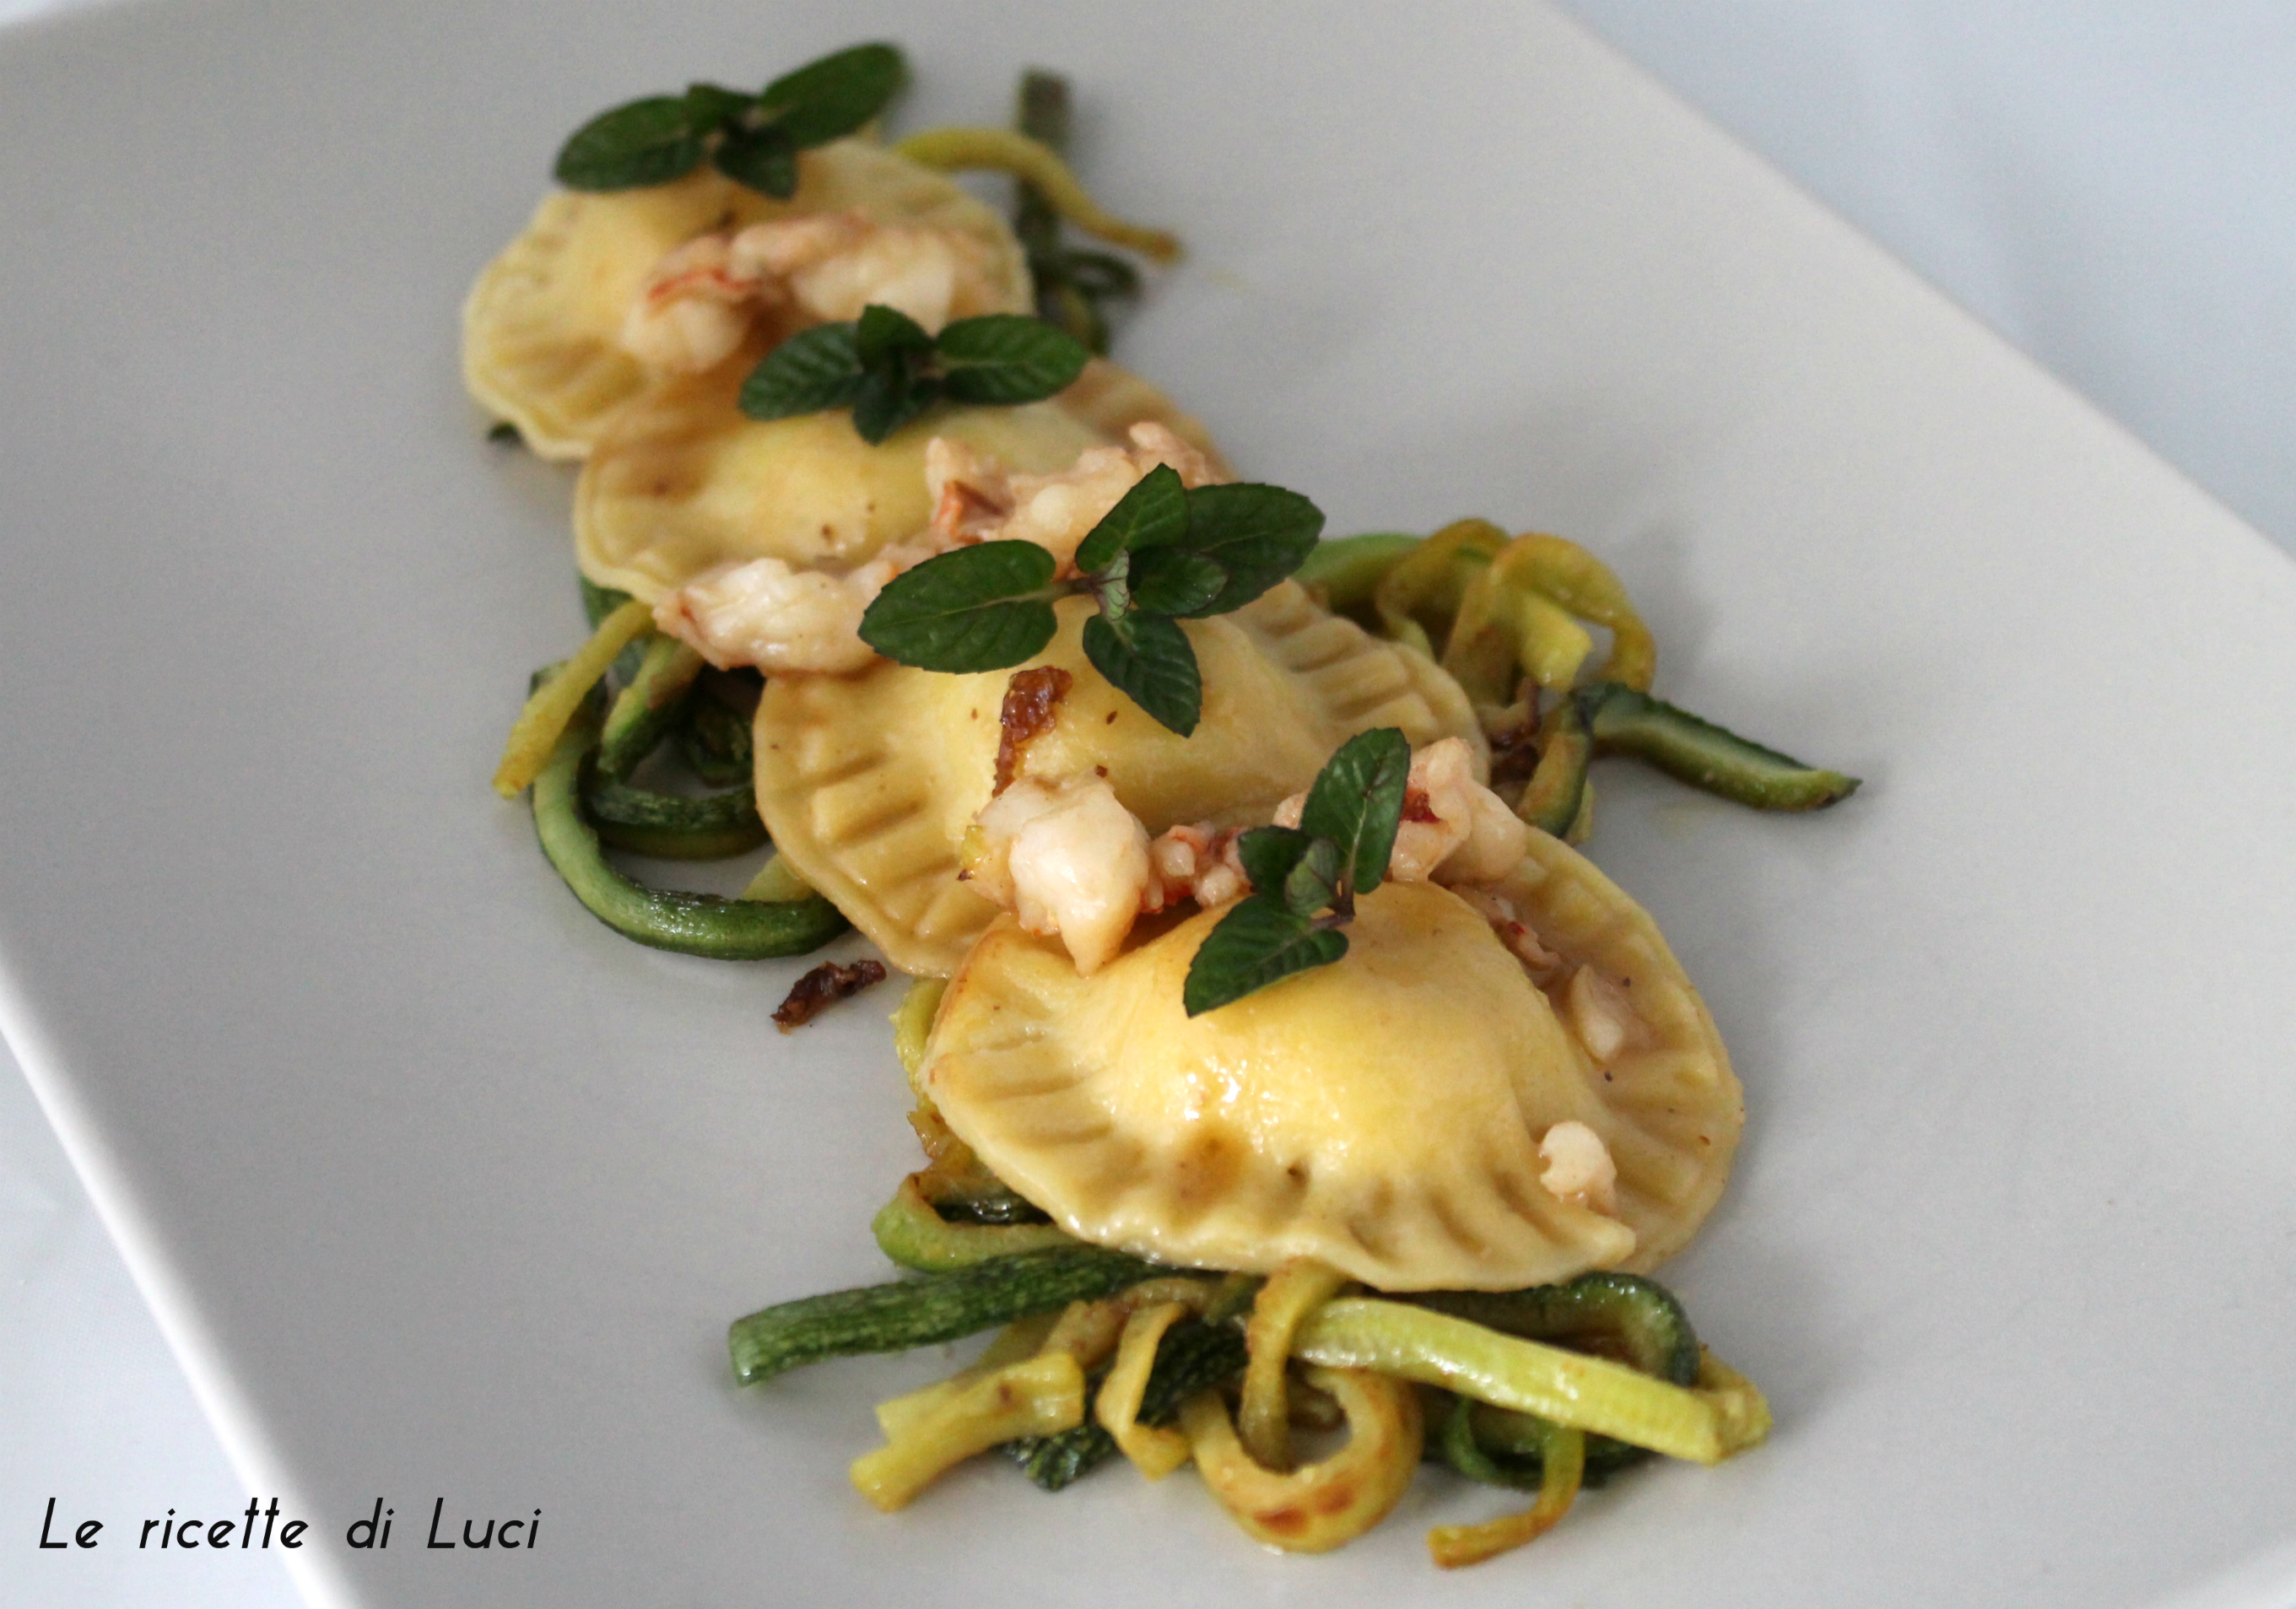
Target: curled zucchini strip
point(912, 1232)
point(1035, 164)
point(1525, 609)
point(1317, 1507)
point(776, 881)
point(1195, 1356)
point(1264, 1415)
point(1021, 1339)
point(533, 735)
point(1419, 597)
point(912, 1020)
point(1530, 1377)
point(648, 704)
point(1739, 1403)
point(1559, 798)
point(1562, 1465)
point(1343, 574)
point(1038, 1397)
point(693, 924)
point(672, 826)
point(925, 1311)
point(1155, 1451)
point(1627, 720)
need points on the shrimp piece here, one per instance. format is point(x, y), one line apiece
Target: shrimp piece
point(830, 266)
point(971, 494)
point(1067, 860)
point(766, 615)
point(1197, 861)
point(1579, 1168)
point(1058, 511)
point(694, 308)
point(1513, 931)
point(1454, 829)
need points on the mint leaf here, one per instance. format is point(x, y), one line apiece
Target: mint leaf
point(1269, 853)
point(1154, 510)
point(1357, 801)
point(884, 334)
point(1313, 884)
point(640, 142)
point(814, 369)
point(1255, 944)
point(1174, 581)
point(1007, 358)
point(1259, 534)
point(978, 608)
point(833, 96)
point(763, 158)
point(714, 106)
point(889, 398)
point(1151, 659)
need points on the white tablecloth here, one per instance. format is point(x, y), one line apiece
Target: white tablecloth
point(2111, 186)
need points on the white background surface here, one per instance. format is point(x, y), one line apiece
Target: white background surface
point(2107, 186)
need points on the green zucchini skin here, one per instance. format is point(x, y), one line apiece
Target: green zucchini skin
point(691, 924)
point(671, 827)
point(715, 744)
point(1557, 791)
point(926, 1311)
point(649, 703)
point(1697, 752)
point(1192, 1357)
point(1346, 571)
point(1639, 1319)
point(913, 1233)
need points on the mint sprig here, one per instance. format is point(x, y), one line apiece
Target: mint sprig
point(1164, 553)
point(753, 139)
point(887, 369)
point(1305, 879)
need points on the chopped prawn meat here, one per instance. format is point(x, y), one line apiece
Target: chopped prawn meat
point(1600, 1015)
point(1578, 1168)
point(1454, 829)
point(1197, 861)
point(1513, 931)
point(975, 499)
point(767, 614)
point(702, 299)
point(1067, 860)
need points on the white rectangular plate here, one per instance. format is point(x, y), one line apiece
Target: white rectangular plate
point(444, 1192)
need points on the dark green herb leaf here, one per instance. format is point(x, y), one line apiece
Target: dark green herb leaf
point(1269, 853)
point(1174, 581)
point(1154, 512)
point(835, 95)
point(1008, 357)
point(1312, 885)
point(1357, 801)
point(763, 158)
point(814, 369)
point(713, 105)
point(884, 333)
point(979, 608)
point(637, 144)
point(1255, 944)
point(1259, 534)
point(889, 398)
point(1149, 658)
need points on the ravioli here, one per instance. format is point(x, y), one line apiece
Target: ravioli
point(684, 482)
point(1383, 1113)
point(869, 782)
point(539, 331)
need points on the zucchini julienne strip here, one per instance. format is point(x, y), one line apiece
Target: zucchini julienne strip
point(927, 1310)
point(649, 704)
point(1034, 164)
point(1555, 799)
point(1344, 573)
point(1319, 1505)
point(1623, 720)
point(1040, 1395)
point(1561, 1465)
point(1193, 1356)
point(672, 826)
point(552, 704)
point(1636, 1316)
point(1264, 1415)
point(693, 924)
point(1530, 1377)
point(911, 1231)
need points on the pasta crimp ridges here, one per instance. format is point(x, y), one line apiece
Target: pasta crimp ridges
point(1267, 729)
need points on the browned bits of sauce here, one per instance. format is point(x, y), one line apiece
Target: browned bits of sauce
point(822, 988)
point(1416, 807)
point(1031, 699)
